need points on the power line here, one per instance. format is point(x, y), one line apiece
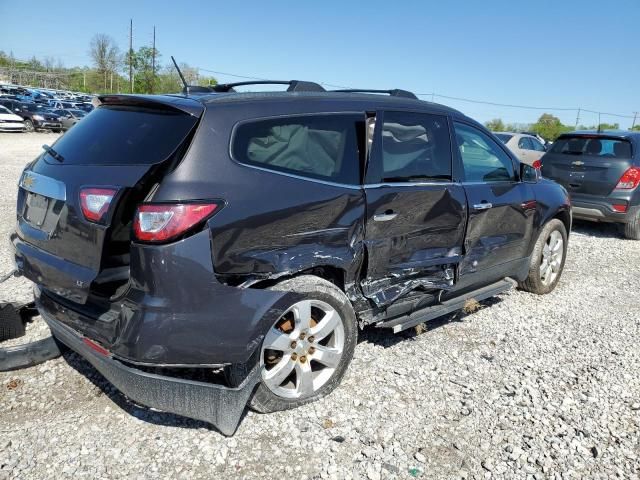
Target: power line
point(483, 102)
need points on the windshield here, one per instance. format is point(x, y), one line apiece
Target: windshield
point(78, 113)
point(4, 109)
point(592, 146)
point(503, 137)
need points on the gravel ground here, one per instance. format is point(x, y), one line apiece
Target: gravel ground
point(527, 387)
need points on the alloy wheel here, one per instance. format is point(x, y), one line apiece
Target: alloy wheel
point(302, 349)
point(552, 254)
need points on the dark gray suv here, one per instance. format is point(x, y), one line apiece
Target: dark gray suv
point(601, 171)
point(204, 249)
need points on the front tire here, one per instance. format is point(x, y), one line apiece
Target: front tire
point(28, 125)
point(547, 259)
point(306, 352)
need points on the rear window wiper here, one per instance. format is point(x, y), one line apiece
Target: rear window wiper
point(416, 178)
point(53, 153)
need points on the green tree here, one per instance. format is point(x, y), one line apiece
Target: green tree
point(495, 125)
point(106, 58)
point(635, 128)
point(145, 71)
point(609, 126)
point(549, 127)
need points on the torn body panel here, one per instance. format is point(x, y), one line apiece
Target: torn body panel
point(420, 247)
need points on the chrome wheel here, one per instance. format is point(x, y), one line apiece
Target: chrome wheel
point(28, 124)
point(552, 254)
point(302, 350)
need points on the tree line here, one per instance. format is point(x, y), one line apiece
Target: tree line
point(109, 72)
point(548, 127)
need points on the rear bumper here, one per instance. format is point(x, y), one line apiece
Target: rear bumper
point(602, 210)
point(175, 312)
point(216, 404)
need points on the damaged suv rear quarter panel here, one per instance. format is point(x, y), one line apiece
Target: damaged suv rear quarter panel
point(275, 224)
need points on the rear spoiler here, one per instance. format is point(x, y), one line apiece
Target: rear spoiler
point(167, 102)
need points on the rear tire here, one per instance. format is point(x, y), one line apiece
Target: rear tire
point(295, 372)
point(547, 259)
point(632, 229)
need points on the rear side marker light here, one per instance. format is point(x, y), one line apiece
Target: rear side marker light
point(95, 202)
point(629, 179)
point(156, 222)
point(95, 347)
point(620, 208)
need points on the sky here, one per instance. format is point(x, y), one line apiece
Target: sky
point(560, 54)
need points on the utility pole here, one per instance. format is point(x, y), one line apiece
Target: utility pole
point(153, 61)
point(131, 55)
point(598, 122)
point(635, 116)
point(578, 118)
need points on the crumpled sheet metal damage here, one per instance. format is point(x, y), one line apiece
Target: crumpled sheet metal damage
point(387, 290)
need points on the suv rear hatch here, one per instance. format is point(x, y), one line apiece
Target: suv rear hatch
point(590, 164)
point(124, 147)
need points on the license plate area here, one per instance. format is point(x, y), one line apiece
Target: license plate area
point(36, 208)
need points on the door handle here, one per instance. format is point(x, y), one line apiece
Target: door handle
point(385, 217)
point(483, 206)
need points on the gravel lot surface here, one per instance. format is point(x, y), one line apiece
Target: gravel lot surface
point(527, 387)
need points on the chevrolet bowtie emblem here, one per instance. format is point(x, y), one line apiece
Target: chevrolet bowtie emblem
point(28, 181)
point(577, 163)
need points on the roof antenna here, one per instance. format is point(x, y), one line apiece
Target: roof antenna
point(184, 82)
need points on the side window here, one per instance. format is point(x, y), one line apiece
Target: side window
point(525, 143)
point(537, 146)
point(325, 147)
point(482, 158)
point(413, 147)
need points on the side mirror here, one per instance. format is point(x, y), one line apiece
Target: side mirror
point(529, 174)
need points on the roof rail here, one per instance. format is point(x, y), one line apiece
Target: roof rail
point(294, 85)
point(396, 92)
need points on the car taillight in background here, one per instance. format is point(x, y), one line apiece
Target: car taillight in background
point(537, 164)
point(160, 222)
point(629, 179)
point(95, 202)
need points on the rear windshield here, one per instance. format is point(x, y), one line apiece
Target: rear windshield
point(594, 147)
point(124, 135)
point(503, 137)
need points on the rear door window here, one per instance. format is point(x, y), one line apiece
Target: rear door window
point(525, 143)
point(415, 147)
point(537, 146)
point(483, 159)
point(118, 135)
point(324, 146)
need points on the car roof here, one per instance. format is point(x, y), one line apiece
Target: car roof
point(515, 134)
point(606, 133)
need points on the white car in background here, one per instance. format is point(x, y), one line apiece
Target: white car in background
point(527, 148)
point(10, 122)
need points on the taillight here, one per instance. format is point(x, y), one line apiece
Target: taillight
point(537, 164)
point(629, 179)
point(159, 222)
point(95, 202)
